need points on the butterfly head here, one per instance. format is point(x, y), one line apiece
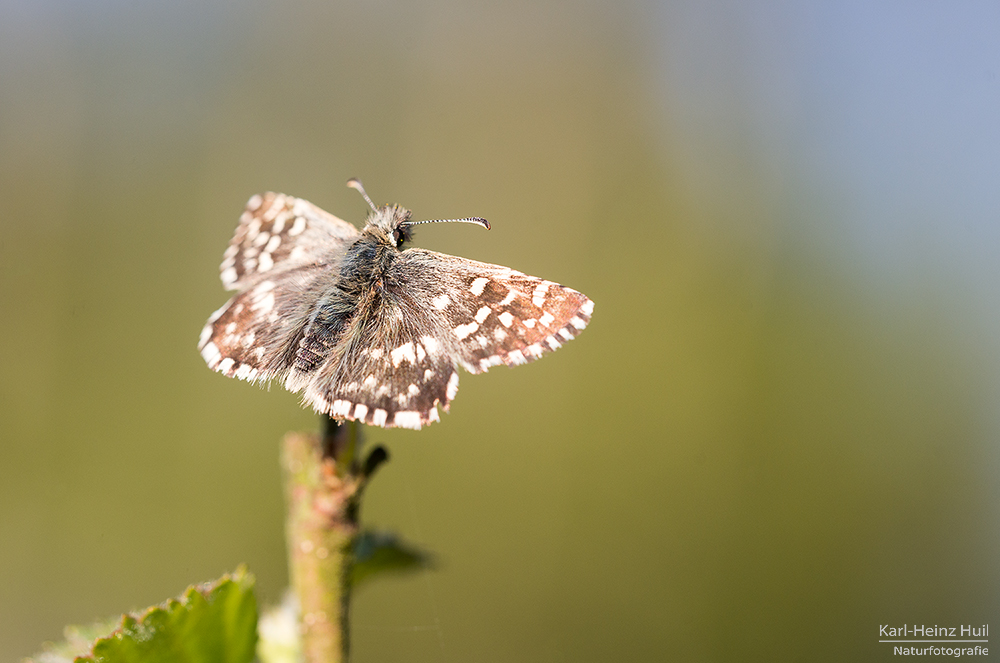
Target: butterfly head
point(391, 224)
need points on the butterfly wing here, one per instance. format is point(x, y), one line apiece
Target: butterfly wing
point(495, 315)
point(280, 259)
point(279, 233)
point(397, 358)
point(253, 336)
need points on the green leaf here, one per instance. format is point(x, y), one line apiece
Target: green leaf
point(214, 622)
point(381, 552)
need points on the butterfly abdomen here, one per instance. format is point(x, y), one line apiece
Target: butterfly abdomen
point(323, 331)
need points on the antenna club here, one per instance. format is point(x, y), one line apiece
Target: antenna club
point(355, 184)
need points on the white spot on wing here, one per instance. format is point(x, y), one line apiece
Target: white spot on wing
point(577, 322)
point(276, 206)
point(441, 302)
point(407, 419)
point(546, 319)
point(529, 323)
point(538, 296)
point(506, 319)
point(360, 411)
point(225, 365)
point(265, 262)
point(273, 243)
point(516, 357)
point(429, 342)
point(405, 351)
point(263, 298)
point(300, 207)
point(298, 226)
point(509, 298)
point(478, 285)
point(485, 364)
point(378, 417)
point(587, 308)
point(264, 304)
point(462, 331)
point(452, 386)
point(254, 203)
point(428, 374)
point(211, 354)
point(482, 314)
point(229, 276)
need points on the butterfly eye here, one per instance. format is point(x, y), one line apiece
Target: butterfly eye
point(401, 235)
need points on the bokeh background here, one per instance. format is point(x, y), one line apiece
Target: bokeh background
point(779, 432)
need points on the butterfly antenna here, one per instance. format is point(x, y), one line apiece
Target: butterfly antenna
point(471, 219)
point(355, 183)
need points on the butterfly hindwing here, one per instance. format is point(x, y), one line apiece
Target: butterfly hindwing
point(389, 369)
point(250, 335)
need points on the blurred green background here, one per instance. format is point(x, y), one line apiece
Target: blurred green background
point(778, 432)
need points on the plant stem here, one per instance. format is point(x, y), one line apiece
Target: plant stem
point(323, 484)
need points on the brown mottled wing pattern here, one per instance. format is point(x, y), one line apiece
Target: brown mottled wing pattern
point(279, 258)
point(278, 233)
point(397, 361)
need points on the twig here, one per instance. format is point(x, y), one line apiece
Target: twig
point(323, 484)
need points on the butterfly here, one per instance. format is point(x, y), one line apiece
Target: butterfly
point(364, 328)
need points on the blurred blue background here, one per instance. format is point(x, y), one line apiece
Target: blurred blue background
point(778, 432)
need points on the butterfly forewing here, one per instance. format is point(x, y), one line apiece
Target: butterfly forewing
point(278, 233)
point(489, 314)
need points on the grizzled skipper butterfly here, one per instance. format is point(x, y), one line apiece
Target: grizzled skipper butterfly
point(366, 329)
